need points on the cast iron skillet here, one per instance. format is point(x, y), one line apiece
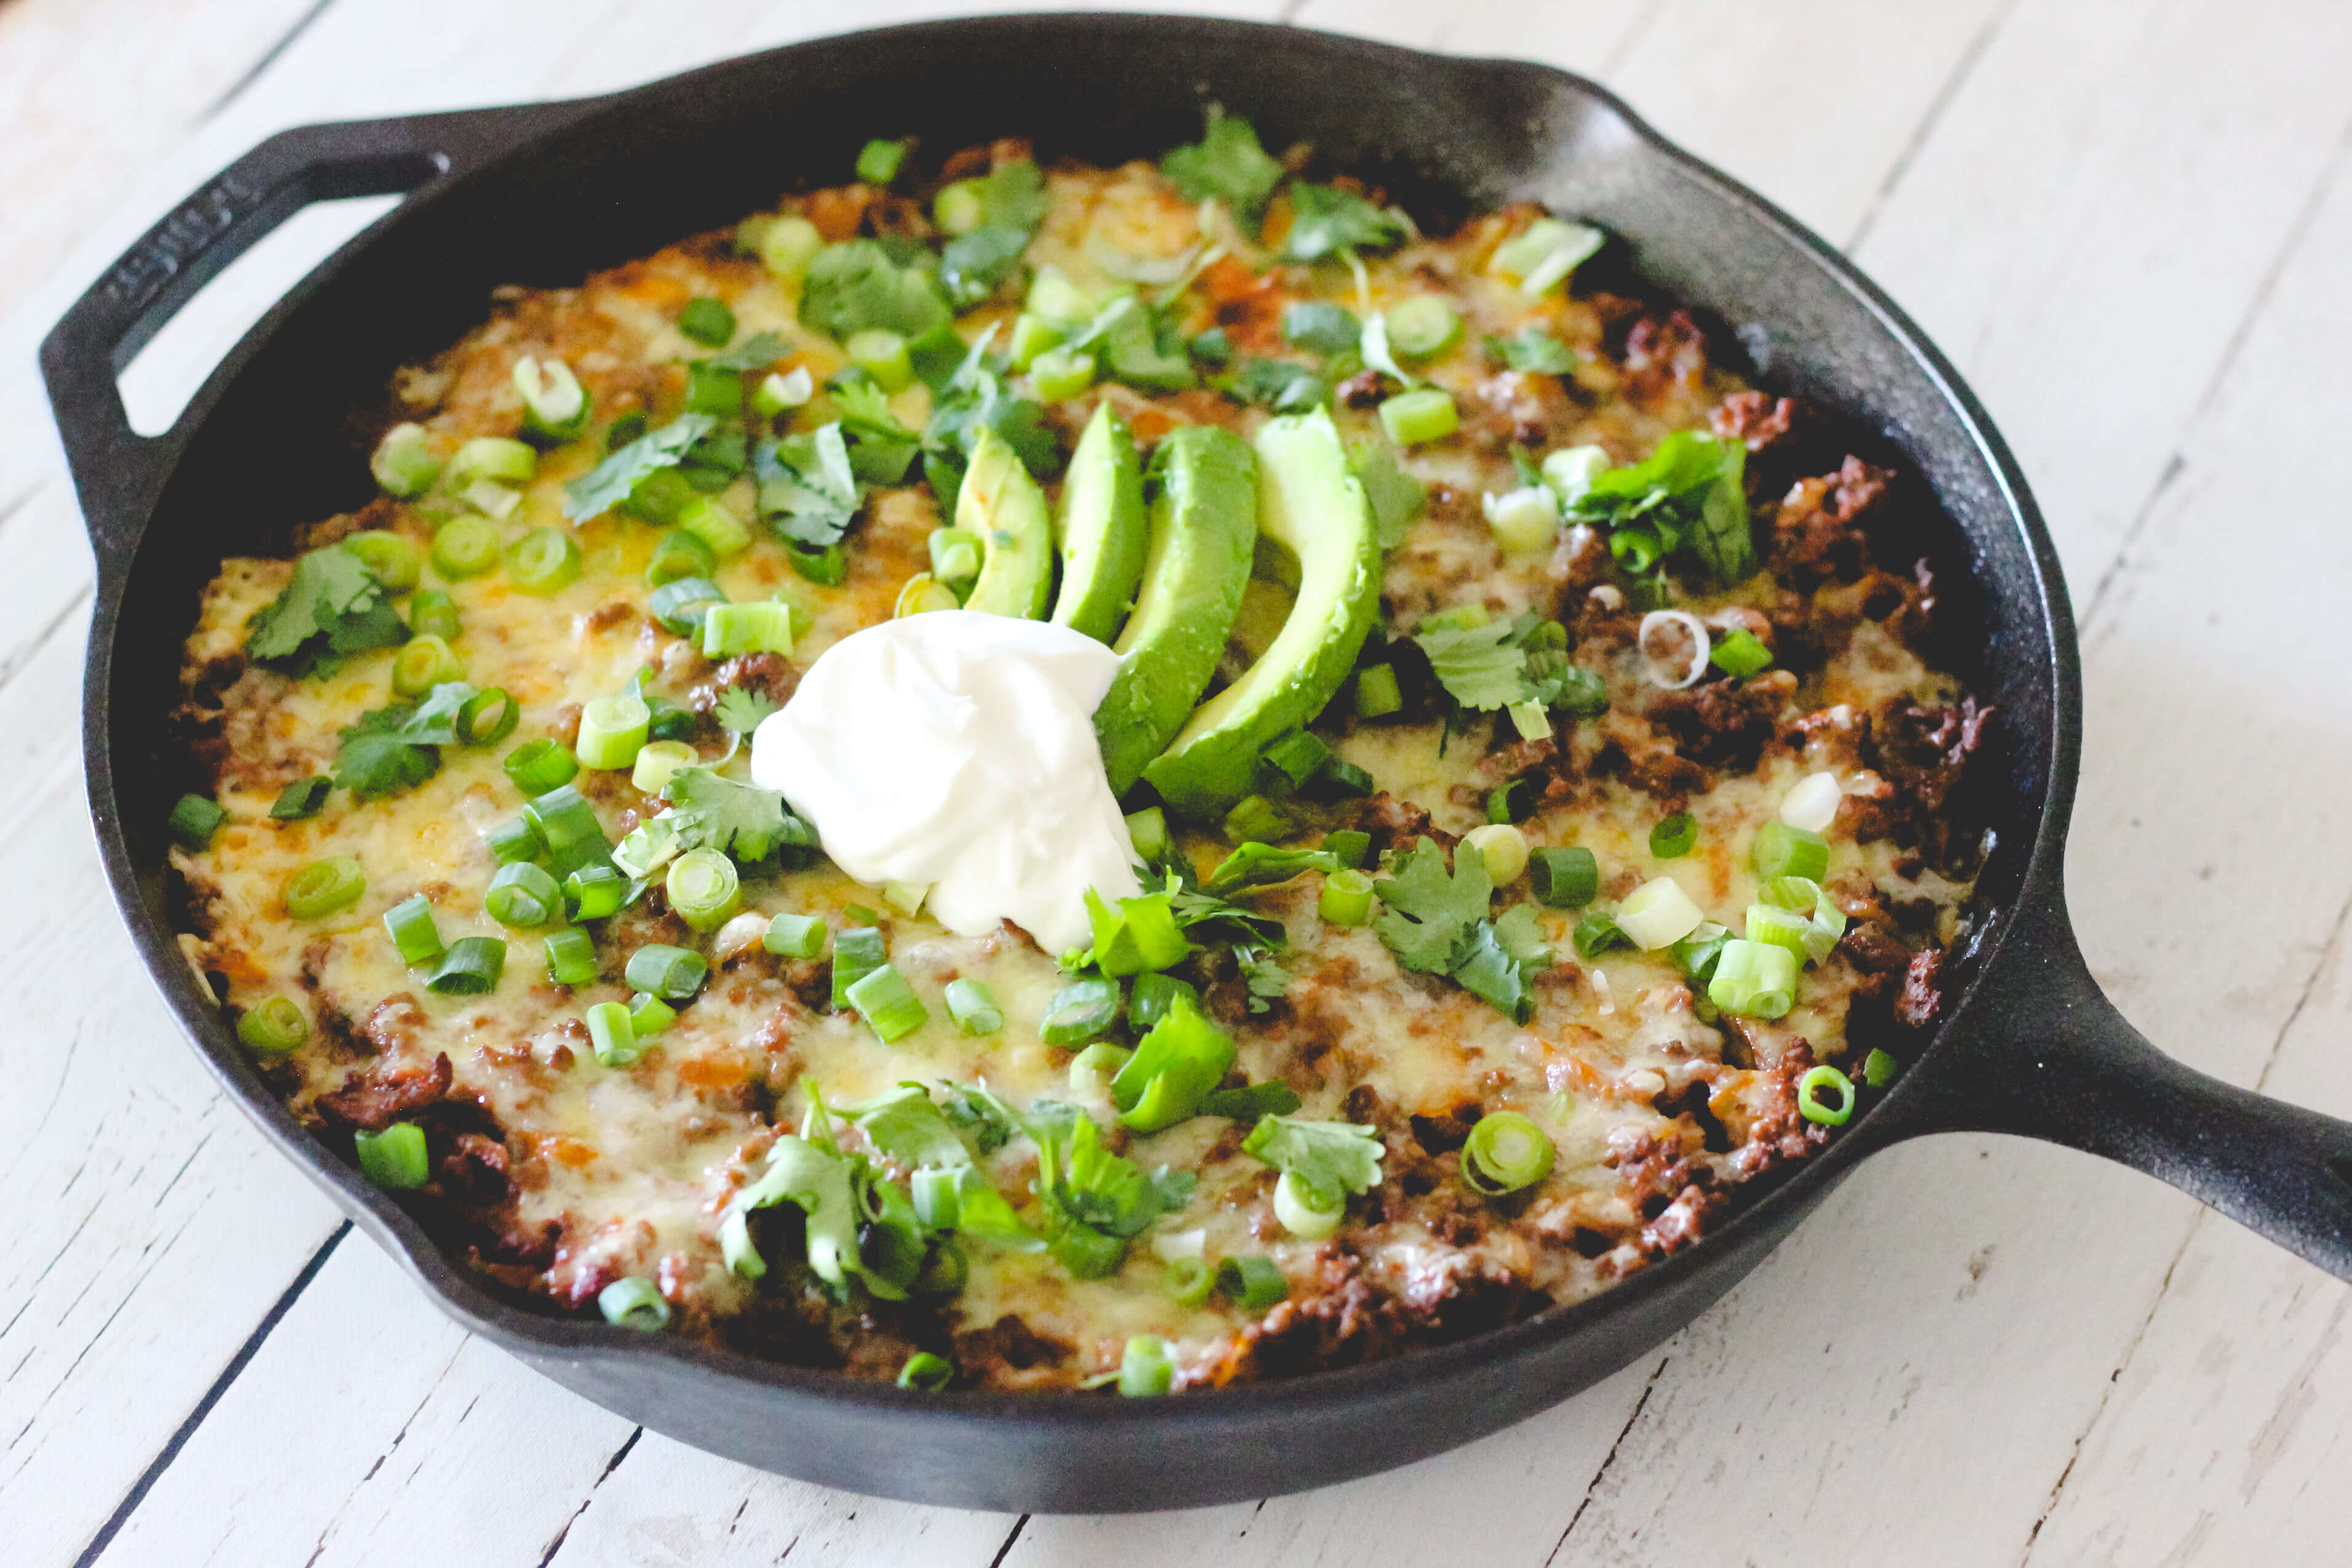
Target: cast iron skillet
point(542, 193)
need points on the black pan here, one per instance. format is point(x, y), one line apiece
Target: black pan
point(542, 193)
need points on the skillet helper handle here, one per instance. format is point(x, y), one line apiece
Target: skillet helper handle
point(2081, 1074)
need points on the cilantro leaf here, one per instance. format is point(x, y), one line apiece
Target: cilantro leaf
point(1256, 864)
point(1251, 1101)
point(975, 399)
point(1207, 917)
point(1013, 195)
point(608, 484)
point(395, 748)
point(740, 710)
point(1228, 164)
point(976, 1109)
point(808, 492)
point(1267, 981)
point(973, 264)
point(1326, 220)
point(332, 606)
point(711, 812)
point(1333, 1159)
point(757, 351)
point(1320, 327)
point(1480, 667)
point(1278, 384)
point(1431, 912)
point(1691, 491)
point(822, 1182)
point(907, 1127)
point(857, 284)
point(1396, 497)
point(880, 448)
point(1488, 969)
point(1137, 345)
point(1533, 347)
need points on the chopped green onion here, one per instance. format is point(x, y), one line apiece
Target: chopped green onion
point(1699, 953)
point(554, 404)
point(680, 554)
point(470, 968)
point(1505, 803)
point(522, 894)
point(1349, 847)
point(1785, 851)
point(861, 914)
point(515, 840)
point(492, 459)
point(1092, 1069)
point(706, 322)
point(1545, 254)
point(1148, 831)
point(680, 603)
point(325, 886)
point(1376, 692)
point(881, 355)
point(1252, 1284)
point(633, 1303)
point(713, 523)
point(887, 1003)
point(1781, 928)
point(410, 924)
point(787, 244)
point(924, 1371)
point(571, 957)
point(1296, 757)
point(780, 390)
point(301, 798)
point(1596, 934)
point(476, 723)
point(433, 613)
point(422, 664)
point(273, 1026)
point(1154, 995)
point(796, 936)
point(960, 208)
point(970, 1007)
point(595, 890)
point(921, 595)
point(906, 898)
point(195, 820)
point(388, 559)
point(856, 952)
point(878, 163)
point(1255, 820)
point(1523, 520)
point(1188, 1281)
point(1798, 893)
point(1813, 1108)
point(1341, 777)
point(704, 889)
point(466, 547)
point(403, 462)
point(673, 974)
point(539, 766)
point(1504, 848)
point(1658, 915)
point(1754, 979)
point(544, 561)
point(394, 1158)
point(716, 390)
point(568, 825)
point(1059, 374)
point(649, 1015)
point(1347, 898)
point(614, 1038)
point(1739, 653)
point(1423, 326)
point(1146, 1367)
point(1676, 836)
point(1032, 335)
point(1295, 1206)
point(1878, 1069)
point(1505, 1153)
point(1425, 413)
point(955, 555)
point(762, 627)
point(612, 729)
point(826, 567)
point(1079, 1012)
point(658, 761)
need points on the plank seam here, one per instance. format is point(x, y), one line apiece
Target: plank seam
point(13, 667)
point(1018, 1526)
point(2297, 233)
point(269, 57)
point(611, 1465)
point(1962, 70)
point(213, 1395)
point(1625, 49)
point(1608, 1459)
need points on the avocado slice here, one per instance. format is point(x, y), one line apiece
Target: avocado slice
point(1003, 504)
point(1203, 522)
point(1311, 504)
point(1104, 532)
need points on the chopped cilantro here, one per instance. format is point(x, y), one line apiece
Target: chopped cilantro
point(1256, 864)
point(1533, 347)
point(1498, 664)
point(1321, 327)
point(331, 606)
point(905, 1125)
point(1396, 497)
point(1251, 1101)
point(1431, 912)
point(709, 811)
point(1226, 165)
point(1013, 202)
point(757, 351)
point(808, 492)
point(1333, 1159)
point(975, 399)
point(1278, 384)
point(608, 484)
point(1096, 1199)
point(395, 748)
point(859, 284)
point(1691, 492)
point(740, 710)
point(1205, 917)
point(1326, 220)
point(976, 1109)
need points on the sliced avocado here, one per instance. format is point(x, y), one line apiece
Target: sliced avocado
point(1104, 532)
point(1204, 522)
point(1003, 504)
point(1309, 502)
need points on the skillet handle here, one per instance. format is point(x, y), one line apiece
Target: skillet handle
point(2075, 1072)
point(119, 473)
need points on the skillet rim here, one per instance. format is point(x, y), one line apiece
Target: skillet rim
point(1903, 1112)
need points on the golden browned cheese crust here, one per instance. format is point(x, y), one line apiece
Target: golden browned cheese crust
point(558, 1176)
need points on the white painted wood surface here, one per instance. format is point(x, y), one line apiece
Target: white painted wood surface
point(2124, 220)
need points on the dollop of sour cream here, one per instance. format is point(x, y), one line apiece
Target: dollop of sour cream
point(958, 749)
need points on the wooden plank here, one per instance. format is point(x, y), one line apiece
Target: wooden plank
point(1963, 1288)
point(2228, 1428)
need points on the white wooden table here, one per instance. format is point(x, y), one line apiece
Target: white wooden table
point(2126, 220)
